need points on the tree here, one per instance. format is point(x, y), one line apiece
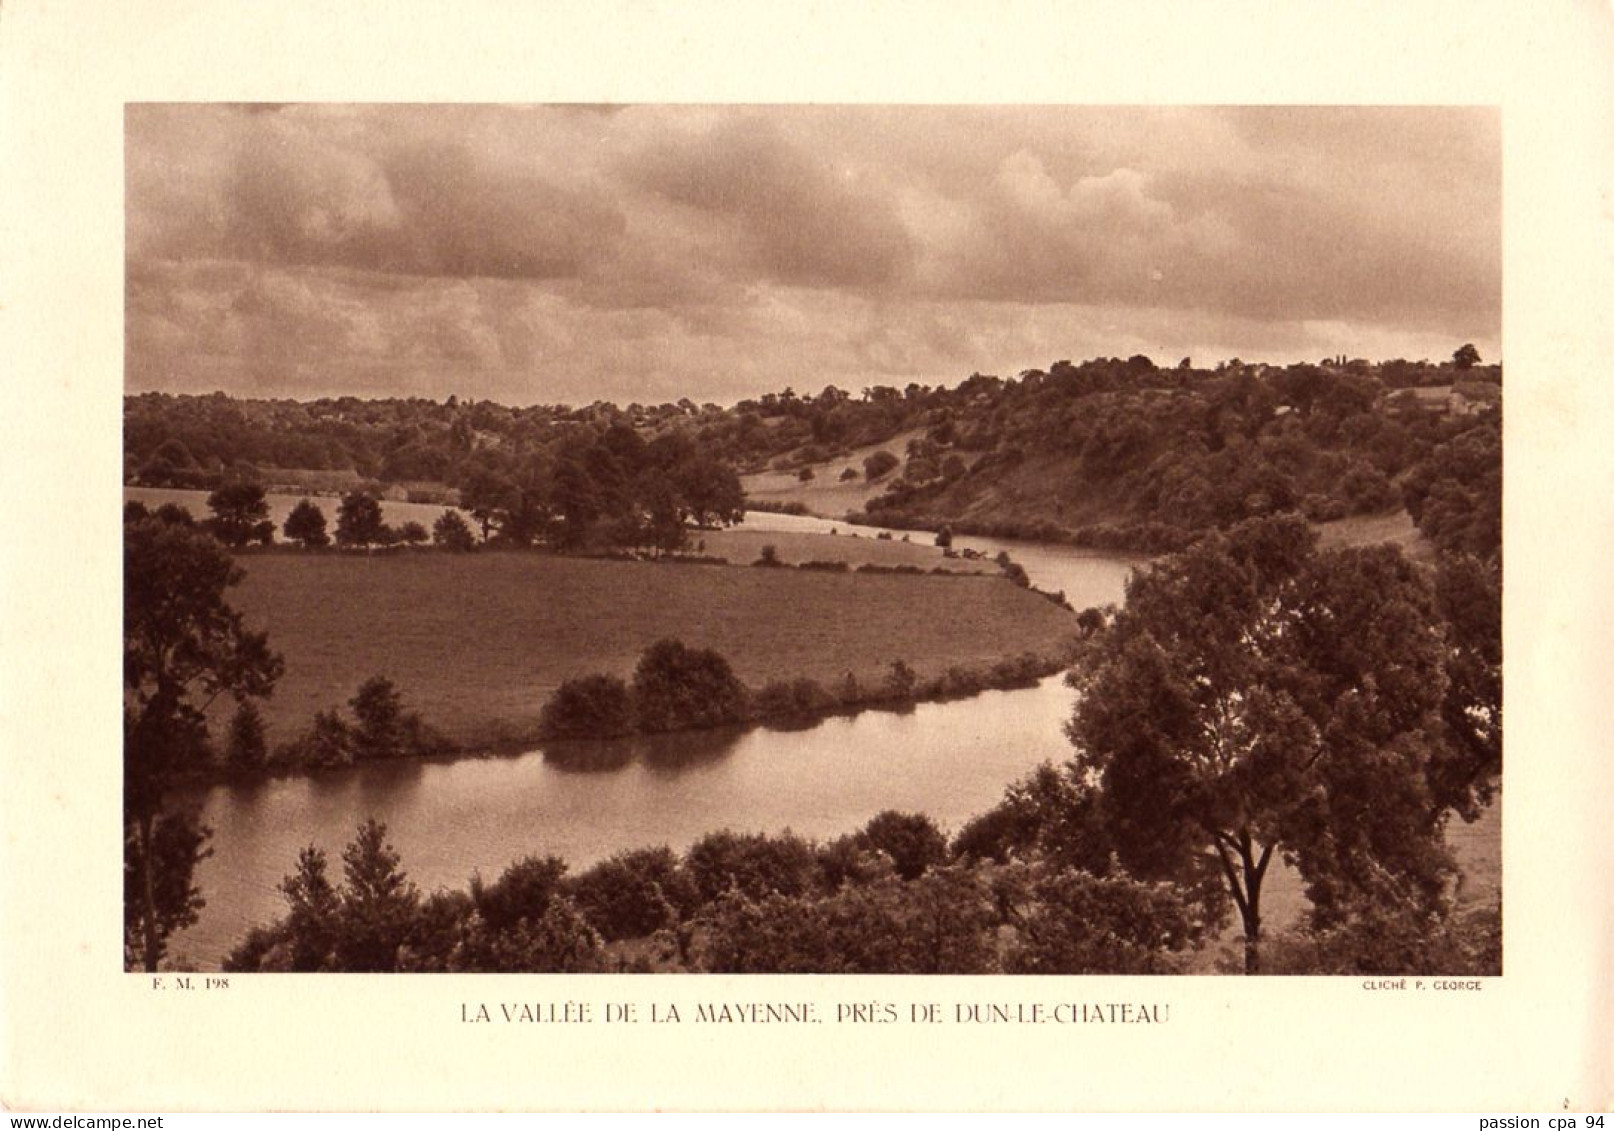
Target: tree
point(246, 749)
point(592, 706)
point(238, 507)
point(1258, 696)
point(378, 903)
point(1466, 356)
point(711, 491)
point(677, 688)
point(358, 520)
point(911, 840)
point(413, 534)
point(183, 646)
point(878, 464)
point(306, 524)
point(379, 710)
point(450, 532)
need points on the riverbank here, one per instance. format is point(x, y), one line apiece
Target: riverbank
point(477, 643)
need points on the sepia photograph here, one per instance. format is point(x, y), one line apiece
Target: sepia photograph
point(812, 539)
point(960, 546)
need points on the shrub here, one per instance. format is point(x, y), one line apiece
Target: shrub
point(769, 557)
point(793, 699)
point(452, 532)
point(900, 682)
point(677, 688)
point(848, 475)
point(595, 706)
point(634, 894)
point(523, 891)
point(751, 863)
point(246, 749)
point(880, 463)
point(379, 710)
point(413, 534)
point(911, 840)
point(306, 524)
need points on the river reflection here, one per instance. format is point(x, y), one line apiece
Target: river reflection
point(585, 801)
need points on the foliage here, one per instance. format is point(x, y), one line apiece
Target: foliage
point(358, 520)
point(379, 710)
point(167, 856)
point(183, 646)
point(592, 706)
point(450, 532)
point(1073, 922)
point(306, 524)
point(879, 464)
point(522, 891)
point(634, 894)
point(677, 688)
point(238, 507)
point(942, 923)
point(246, 749)
point(1255, 696)
point(377, 904)
point(911, 840)
point(751, 863)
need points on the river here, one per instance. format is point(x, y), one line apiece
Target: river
point(585, 802)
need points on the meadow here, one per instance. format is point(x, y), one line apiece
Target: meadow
point(477, 643)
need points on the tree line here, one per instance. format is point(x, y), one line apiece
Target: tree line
point(1256, 698)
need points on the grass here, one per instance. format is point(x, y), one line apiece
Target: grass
point(852, 545)
point(1370, 530)
point(476, 643)
point(825, 494)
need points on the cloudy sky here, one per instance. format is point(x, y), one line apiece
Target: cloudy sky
point(647, 253)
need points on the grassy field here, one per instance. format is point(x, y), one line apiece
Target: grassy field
point(477, 643)
point(1370, 530)
point(825, 494)
point(854, 546)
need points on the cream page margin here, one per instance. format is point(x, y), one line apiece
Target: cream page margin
point(77, 1033)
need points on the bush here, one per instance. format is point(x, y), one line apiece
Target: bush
point(678, 688)
point(245, 748)
point(379, 710)
point(880, 463)
point(522, 892)
point(793, 699)
point(306, 524)
point(751, 863)
point(911, 840)
point(413, 534)
point(848, 475)
point(634, 894)
point(900, 682)
point(769, 557)
point(595, 706)
point(452, 532)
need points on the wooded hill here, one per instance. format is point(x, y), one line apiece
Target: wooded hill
point(1109, 453)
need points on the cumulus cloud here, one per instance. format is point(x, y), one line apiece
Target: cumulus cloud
point(652, 252)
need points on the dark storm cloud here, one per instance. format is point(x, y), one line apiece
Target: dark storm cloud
point(647, 253)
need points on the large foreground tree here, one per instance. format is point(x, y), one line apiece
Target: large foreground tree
point(1256, 697)
point(183, 647)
